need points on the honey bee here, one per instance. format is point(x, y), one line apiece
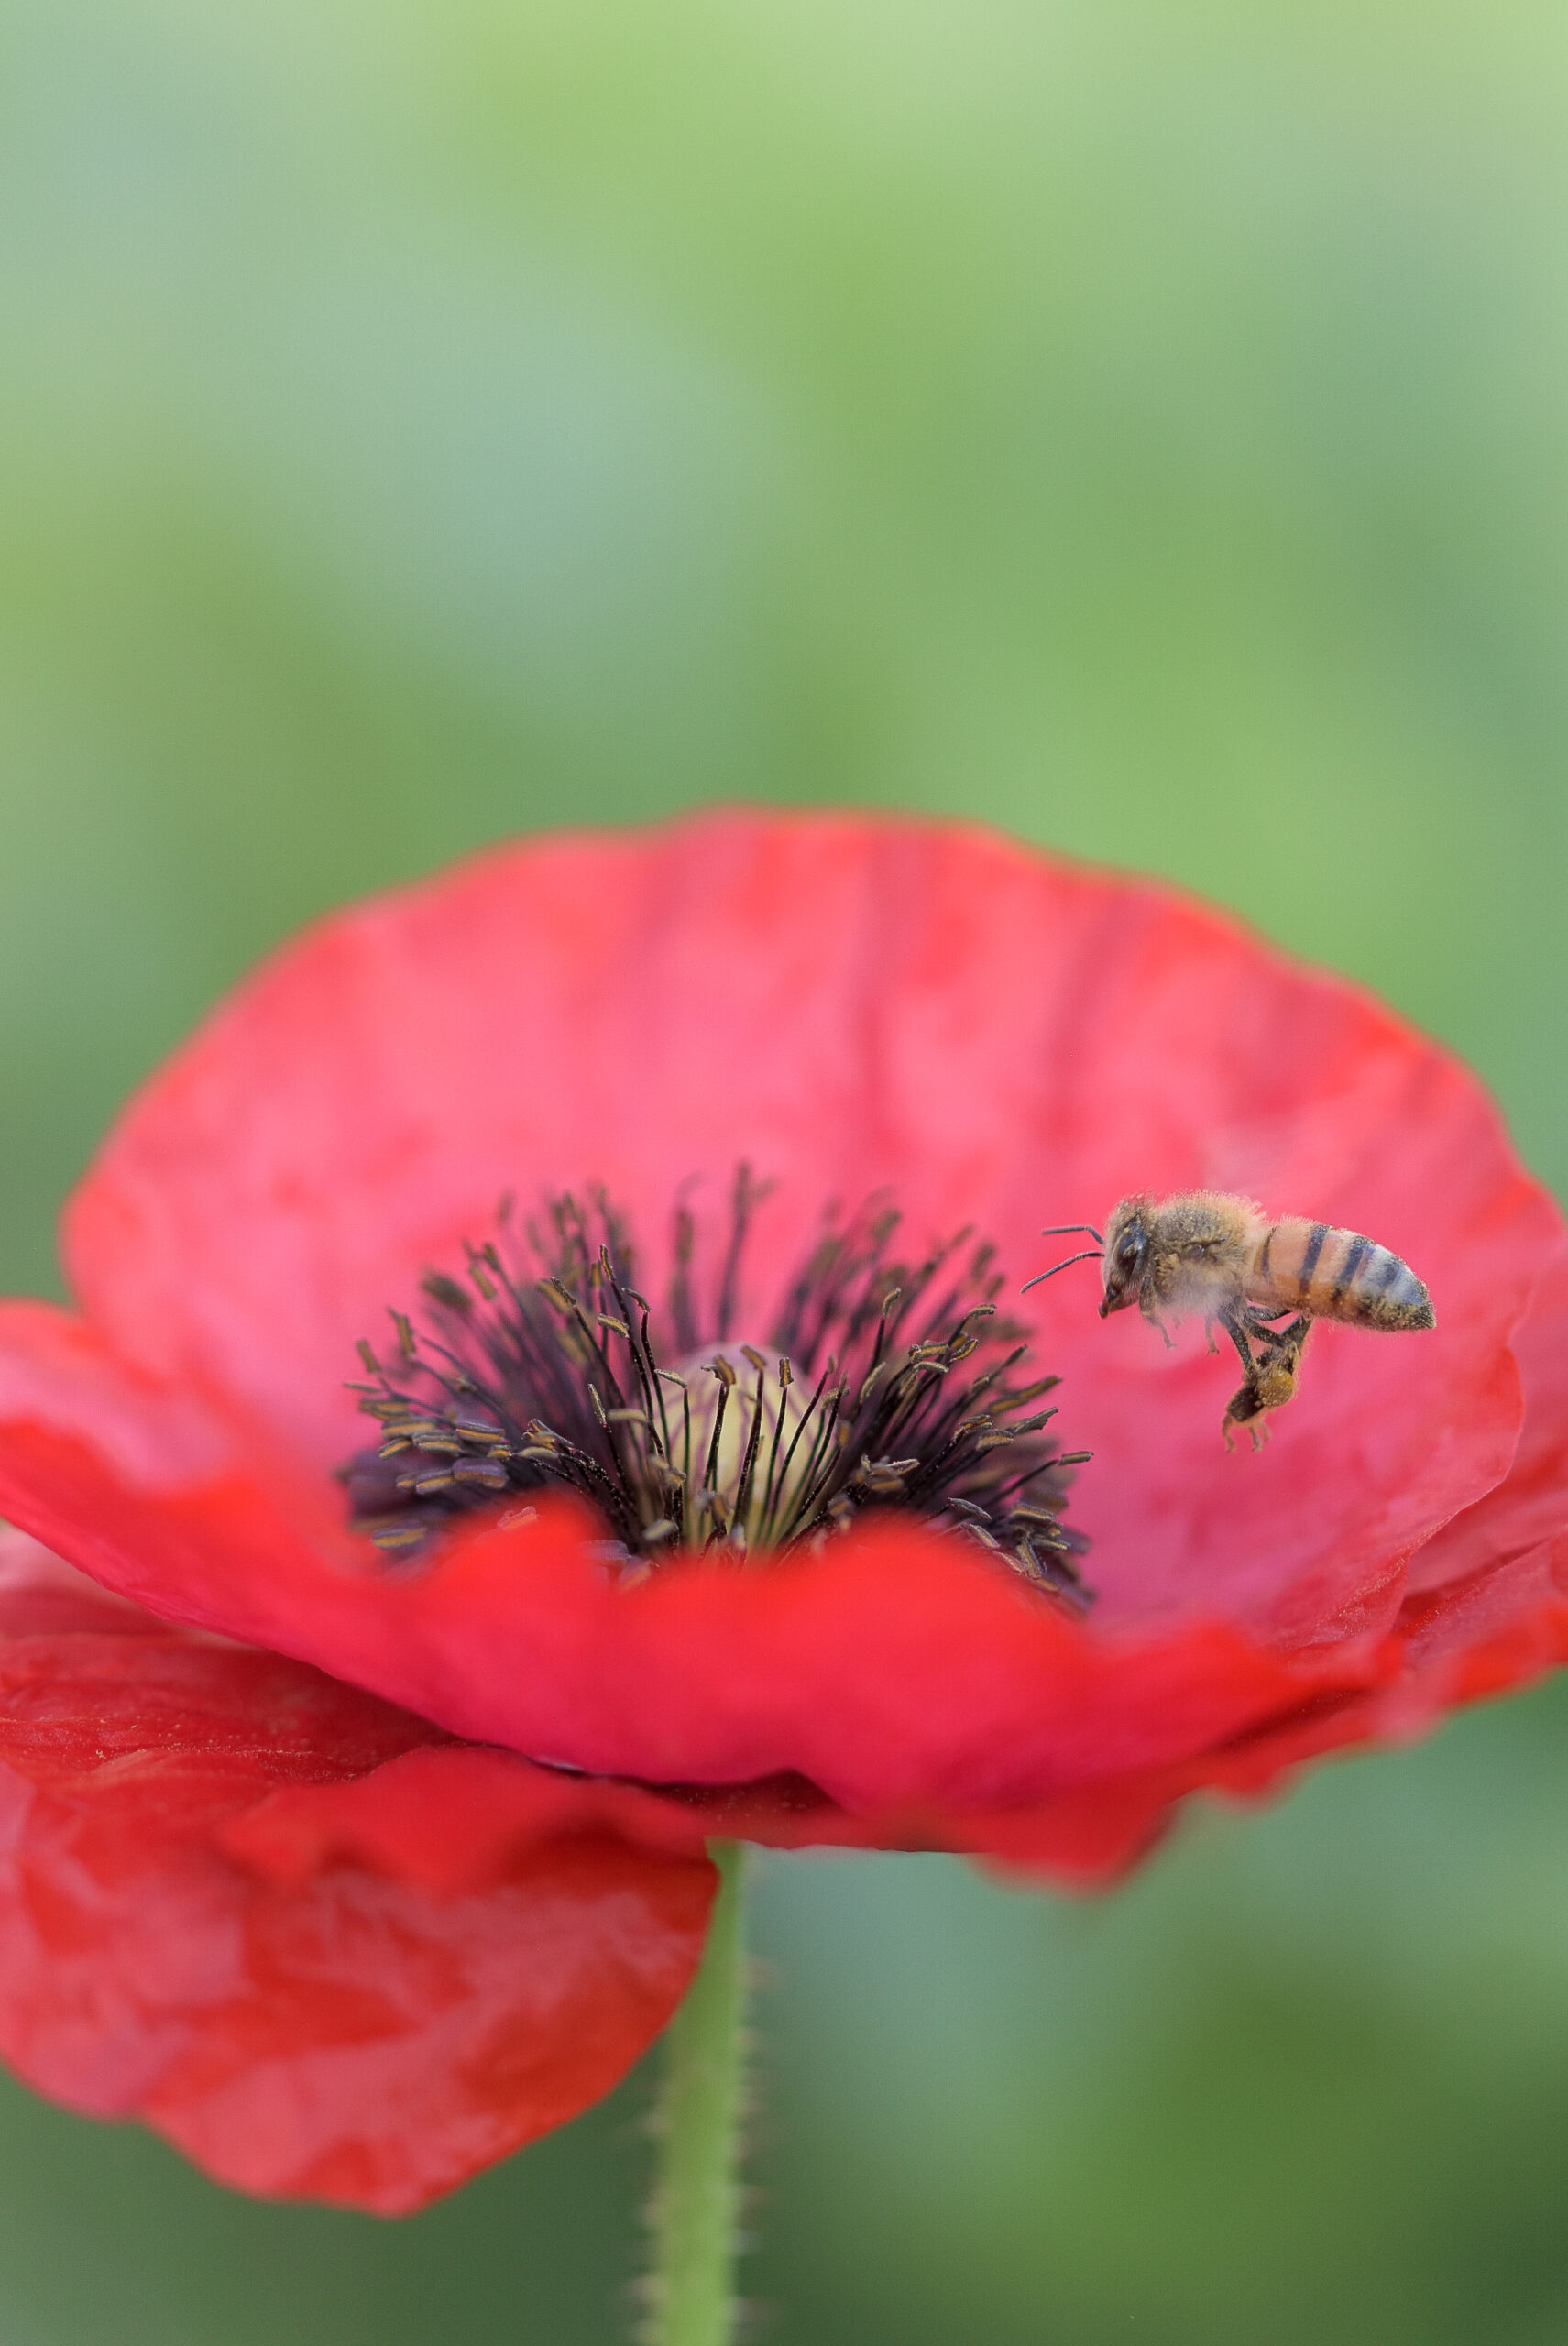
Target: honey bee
point(1224, 1256)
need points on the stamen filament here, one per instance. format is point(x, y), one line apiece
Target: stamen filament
point(553, 1376)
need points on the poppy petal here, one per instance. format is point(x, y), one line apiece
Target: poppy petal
point(1531, 1504)
point(895, 1667)
point(366, 2036)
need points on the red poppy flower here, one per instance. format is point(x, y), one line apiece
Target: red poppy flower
point(324, 1905)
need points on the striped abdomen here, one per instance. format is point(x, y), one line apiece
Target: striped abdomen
point(1336, 1274)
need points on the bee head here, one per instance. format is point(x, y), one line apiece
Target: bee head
point(1126, 1255)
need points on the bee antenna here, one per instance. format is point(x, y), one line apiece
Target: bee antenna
point(1064, 1229)
point(1090, 1253)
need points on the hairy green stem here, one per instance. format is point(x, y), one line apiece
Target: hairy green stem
point(696, 2195)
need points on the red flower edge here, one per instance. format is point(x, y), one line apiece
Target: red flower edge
point(370, 2031)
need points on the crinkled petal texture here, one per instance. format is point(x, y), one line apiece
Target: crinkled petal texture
point(851, 1004)
point(368, 2020)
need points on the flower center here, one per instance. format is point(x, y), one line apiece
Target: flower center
point(881, 1384)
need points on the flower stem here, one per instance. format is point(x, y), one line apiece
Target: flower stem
point(696, 2196)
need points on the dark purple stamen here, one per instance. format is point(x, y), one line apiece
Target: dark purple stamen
point(541, 1370)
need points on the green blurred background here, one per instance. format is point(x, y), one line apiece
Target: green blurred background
point(1140, 425)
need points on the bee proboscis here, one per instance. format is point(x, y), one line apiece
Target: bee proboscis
point(1245, 1272)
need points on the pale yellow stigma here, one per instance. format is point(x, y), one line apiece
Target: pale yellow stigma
point(740, 1443)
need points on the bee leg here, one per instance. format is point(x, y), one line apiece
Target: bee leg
point(1284, 1346)
point(1243, 1406)
point(1242, 1409)
point(1271, 1380)
point(1270, 1371)
point(1238, 1332)
point(1258, 1319)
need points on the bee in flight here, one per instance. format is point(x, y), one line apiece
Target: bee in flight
point(1223, 1256)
